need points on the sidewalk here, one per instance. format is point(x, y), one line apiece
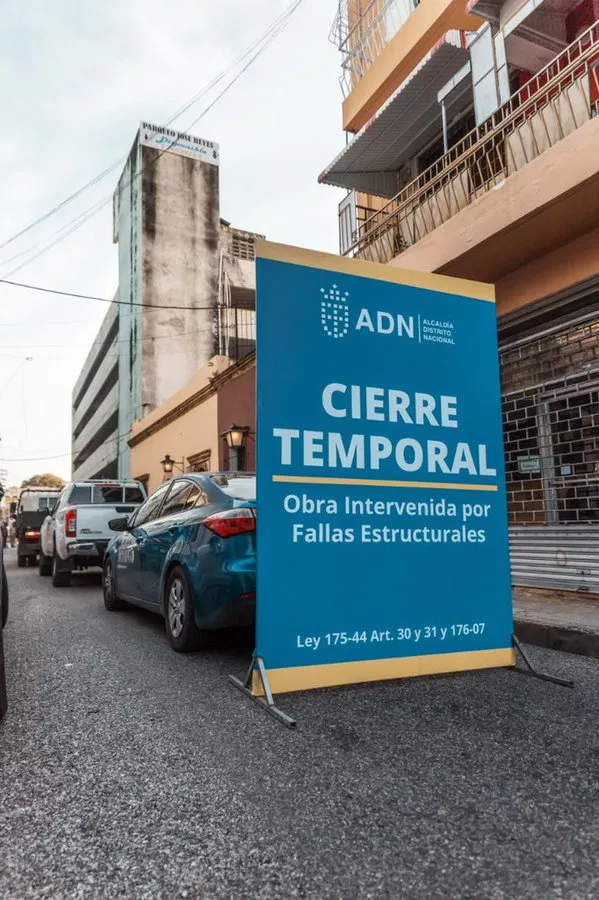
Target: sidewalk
point(560, 621)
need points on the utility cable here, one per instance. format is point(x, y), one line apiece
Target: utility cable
point(45, 290)
point(157, 337)
point(271, 32)
point(118, 438)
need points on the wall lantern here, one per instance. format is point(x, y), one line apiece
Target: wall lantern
point(235, 437)
point(169, 464)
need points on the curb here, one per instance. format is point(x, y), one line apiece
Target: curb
point(554, 637)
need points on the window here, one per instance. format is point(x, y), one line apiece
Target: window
point(80, 493)
point(134, 495)
point(235, 459)
point(196, 498)
point(240, 487)
point(151, 507)
point(46, 502)
point(108, 493)
point(199, 462)
point(177, 498)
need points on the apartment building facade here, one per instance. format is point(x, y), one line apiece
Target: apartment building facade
point(472, 130)
point(186, 293)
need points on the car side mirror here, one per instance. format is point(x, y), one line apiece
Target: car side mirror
point(119, 524)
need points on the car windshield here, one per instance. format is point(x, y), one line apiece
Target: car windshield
point(240, 487)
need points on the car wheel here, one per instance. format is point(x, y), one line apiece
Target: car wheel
point(181, 629)
point(111, 601)
point(45, 564)
point(21, 561)
point(4, 597)
point(61, 575)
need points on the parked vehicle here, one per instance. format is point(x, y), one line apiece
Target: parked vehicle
point(3, 619)
point(75, 533)
point(31, 510)
point(189, 554)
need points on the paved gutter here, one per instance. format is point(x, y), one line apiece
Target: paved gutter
point(564, 621)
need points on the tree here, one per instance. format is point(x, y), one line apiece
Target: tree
point(45, 480)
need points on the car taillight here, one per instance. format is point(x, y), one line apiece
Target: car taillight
point(32, 534)
point(231, 522)
point(70, 523)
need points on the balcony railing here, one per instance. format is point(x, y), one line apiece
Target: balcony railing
point(553, 104)
point(236, 332)
point(362, 40)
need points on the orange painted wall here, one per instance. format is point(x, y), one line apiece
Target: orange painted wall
point(564, 267)
point(427, 25)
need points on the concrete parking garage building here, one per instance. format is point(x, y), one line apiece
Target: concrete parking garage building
point(186, 294)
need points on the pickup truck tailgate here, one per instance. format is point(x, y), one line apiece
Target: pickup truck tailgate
point(93, 519)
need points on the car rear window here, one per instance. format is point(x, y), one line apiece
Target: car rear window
point(47, 502)
point(81, 493)
point(100, 494)
point(108, 493)
point(134, 495)
point(242, 488)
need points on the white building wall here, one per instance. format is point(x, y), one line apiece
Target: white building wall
point(180, 250)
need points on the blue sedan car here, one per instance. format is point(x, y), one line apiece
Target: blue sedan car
point(188, 553)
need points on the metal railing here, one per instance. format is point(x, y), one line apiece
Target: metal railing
point(236, 331)
point(555, 102)
point(364, 39)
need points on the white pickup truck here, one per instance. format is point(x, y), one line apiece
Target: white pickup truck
point(75, 533)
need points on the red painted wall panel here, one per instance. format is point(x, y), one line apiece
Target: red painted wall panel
point(237, 405)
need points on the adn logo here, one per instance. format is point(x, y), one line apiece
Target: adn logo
point(334, 312)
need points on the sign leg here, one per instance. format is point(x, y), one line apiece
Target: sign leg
point(267, 702)
point(531, 670)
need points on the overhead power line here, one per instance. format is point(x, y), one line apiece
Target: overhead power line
point(99, 343)
point(116, 439)
point(46, 290)
point(259, 45)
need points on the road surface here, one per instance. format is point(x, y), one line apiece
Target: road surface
point(127, 770)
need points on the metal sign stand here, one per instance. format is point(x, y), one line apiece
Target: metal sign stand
point(530, 669)
point(267, 702)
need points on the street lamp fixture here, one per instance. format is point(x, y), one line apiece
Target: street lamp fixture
point(169, 464)
point(235, 437)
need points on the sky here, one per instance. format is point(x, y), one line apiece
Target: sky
point(76, 79)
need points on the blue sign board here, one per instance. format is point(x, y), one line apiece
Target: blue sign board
point(382, 522)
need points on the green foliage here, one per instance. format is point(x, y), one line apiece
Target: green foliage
point(45, 480)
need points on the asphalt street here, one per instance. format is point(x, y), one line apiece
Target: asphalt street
point(127, 770)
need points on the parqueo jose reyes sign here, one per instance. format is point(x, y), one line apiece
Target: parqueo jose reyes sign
point(383, 542)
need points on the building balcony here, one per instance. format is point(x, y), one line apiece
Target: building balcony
point(550, 108)
point(374, 161)
point(383, 41)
